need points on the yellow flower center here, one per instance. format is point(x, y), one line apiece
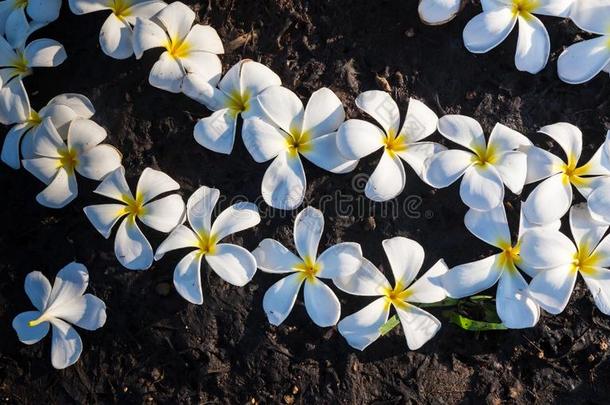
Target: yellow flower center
point(207, 243)
point(308, 268)
point(298, 142)
point(484, 156)
point(42, 318)
point(68, 159)
point(20, 3)
point(135, 207)
point(238, 102)
point(397, 295)
point(20, 65)
point(34, 118)
point(510, 255)
point(585, 262)
point(120, 8)
point(395, 143)
point(525, 7)
point(177, 48)
point(573, 174)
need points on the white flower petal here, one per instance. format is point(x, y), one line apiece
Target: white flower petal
point(116, 38)
point(582, 61)
point(17, 28)
point(513, 304)
point(164, 214)
point(44, 169)
point(263, 140)
point(598, 202)
point(236, 218)
point(418, 325)
point(48, 142)
point(86, 311)
point(418, 153)
point(143, 9)
point(598, 283)
point(464, 131)
point(554, 8)
point(380, 105)
point(78, 103)
point(591, 15)
point(104, 216)
point(568, 136)
point(552, 288)
point(180, 237)
point(505, 139)
point(177, 18)
point(204, 38)
point(283, 107)
point(146, 35)
point(533, 46)
point(272, 257)
point(256, 77)
point(60, 192)
point(598, 165)
point(187, 277)
point(586, 231)
point(541, 164)
point(98, 162)
point(488, 29)
point(38, 289)
point(308, 228)
point(153, 183)
point(366, 281)
point(44, 53)
point(429, 287)
point(167, 73)
point(284, 183)
point(406, 258)
point(217, 132)
point(525, 225)
point(545, 249)
point(200, 206)
point(84, 134)
point(388, 180)
point(437, 12)
point(321, 303)
point(280, 297)
point(363, 327)
point(549, 201)
point(205, 65)
point(10, 148)
point(114, 185)
point(357, 139)
point(199, 88)
point(29, 334)
point(420, 122)
point(489, 226)
point(61, 117)
point(340, 260)
point(482, 187)
point(70, 283)
point(80, 7)
point(512, 168)
point(131, 247)
point(324, 113)
point(471, 278)
point(232, 263)
point(445, 167)
point(14, 102)
point(323, 152)
point(66, 345)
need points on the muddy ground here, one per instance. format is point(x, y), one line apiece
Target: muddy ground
point(157, 348)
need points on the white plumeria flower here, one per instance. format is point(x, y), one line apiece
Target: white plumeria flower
point(321, 303)
point(14, 14)
point(488, 29)
point(131, 247)
point(289, 132)
point(60, 306)
point(582, 61)
point(406, 258)
point(189, 49)
point(235, 96)
point(552, 198)
point(116, 35)
point(559, 260)
point(437, 12)
point(357, 139)
point(232, 263)
point(485, 167)
point(513, 305)
point(56, 161)
point(61, 110)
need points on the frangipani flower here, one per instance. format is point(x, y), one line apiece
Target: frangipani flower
point(437, 12)
point(236, 95)
point(485, 168)
point(552, 198)
point(406, 258)
point(559, 260)
point(116, 34)
point(131, 247)
point(513, 305)
point(59, 306)
point(61, 110)
point(56, 162)
point(321, 302)
point(232, 263)
point(14, 22)
point(582, 61)
point(357, 139)
point(488, 29)
point(188, 50)
point(291, 131)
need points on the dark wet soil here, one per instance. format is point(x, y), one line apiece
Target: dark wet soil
point(157, 348)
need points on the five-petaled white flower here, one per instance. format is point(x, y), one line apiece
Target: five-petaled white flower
point(552, 198)
point(488, 29)
point(131, 247)
point(236, 95)
point(582, 61)
point(513, 305)
point(437, 12)
point(232, 263)
point(116, 35)
point(188, 51)
point(406, 258)
point(321, 302)
point(357, 139)
point(56, 161)
point(559, 260)
point(289, 132)
point(499, 161)
point(59, 306)
point(14, 22)
point(61, 110)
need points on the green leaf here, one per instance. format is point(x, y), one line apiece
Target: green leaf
point(389, 325)
point(470, 324)
point(447, 302)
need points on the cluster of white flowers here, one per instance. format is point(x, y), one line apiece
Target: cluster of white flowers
point(61, 140)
